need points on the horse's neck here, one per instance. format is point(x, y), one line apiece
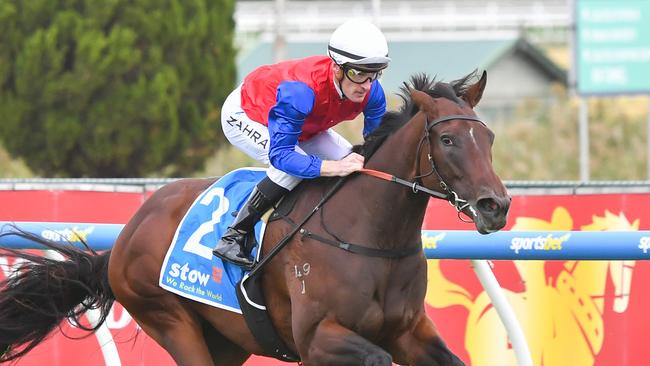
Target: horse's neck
point(395, 207)
point(397, 155)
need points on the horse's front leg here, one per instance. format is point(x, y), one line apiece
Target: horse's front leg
point(332, 344)
point(423, 346)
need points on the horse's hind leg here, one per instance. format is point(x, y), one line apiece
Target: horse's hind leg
point(179, 332)
point(332, 344)
point(189, 339)
point(223, 351)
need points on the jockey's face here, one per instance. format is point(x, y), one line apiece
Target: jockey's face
point(355, 92)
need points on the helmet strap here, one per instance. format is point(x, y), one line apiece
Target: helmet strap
point(338, 79)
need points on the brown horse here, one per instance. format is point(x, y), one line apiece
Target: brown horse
point(342, 308)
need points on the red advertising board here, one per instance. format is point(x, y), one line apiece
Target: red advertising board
point(572, 312)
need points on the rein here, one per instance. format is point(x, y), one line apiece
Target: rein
point(416, 185)
point(336, 242)
point(276, 249)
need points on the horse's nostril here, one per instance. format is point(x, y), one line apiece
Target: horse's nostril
point(488, 205)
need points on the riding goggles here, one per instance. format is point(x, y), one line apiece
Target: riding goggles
point(360, 77)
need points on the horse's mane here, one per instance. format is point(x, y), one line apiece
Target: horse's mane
point(394, 120)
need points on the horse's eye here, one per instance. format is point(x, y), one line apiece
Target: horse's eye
point(446, 140)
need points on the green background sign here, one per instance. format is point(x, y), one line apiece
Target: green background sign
point(613, 46)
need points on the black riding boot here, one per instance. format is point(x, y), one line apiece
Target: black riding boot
point(232, 246)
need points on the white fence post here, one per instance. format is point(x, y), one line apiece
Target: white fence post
point(503, 308)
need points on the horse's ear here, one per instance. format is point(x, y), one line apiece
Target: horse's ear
point(424, 101)
point(474, 93)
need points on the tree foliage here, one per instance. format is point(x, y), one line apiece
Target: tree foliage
point(114, 88)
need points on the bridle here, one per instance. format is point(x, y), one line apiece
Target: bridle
point(416, 185)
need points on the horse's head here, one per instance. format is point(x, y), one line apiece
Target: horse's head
point(455, 152)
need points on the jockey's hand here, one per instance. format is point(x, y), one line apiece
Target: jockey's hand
point(349, 164)
point(354, 157)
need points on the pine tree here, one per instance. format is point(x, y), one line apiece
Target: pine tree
point(114, 88)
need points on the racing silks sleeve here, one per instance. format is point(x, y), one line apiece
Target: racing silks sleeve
point(375, 108)
point(294, 102)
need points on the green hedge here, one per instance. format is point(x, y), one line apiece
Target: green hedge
point(114, 88)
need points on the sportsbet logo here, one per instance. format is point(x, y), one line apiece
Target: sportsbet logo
point(74, 235)
point(431, 242)
point(548, 242)
point(644, 244)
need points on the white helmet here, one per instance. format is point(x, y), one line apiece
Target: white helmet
point(359, 43)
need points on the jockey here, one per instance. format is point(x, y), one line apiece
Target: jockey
point(281, 115)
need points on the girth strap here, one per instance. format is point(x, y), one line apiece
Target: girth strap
point(365, 251)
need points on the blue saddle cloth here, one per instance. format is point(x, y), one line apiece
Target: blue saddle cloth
point(189, 269)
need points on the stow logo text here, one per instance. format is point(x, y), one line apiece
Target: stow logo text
point(185, 274)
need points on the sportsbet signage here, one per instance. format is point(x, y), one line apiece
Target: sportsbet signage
point(613, 46)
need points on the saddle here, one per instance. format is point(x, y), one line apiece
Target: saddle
point(251, 301)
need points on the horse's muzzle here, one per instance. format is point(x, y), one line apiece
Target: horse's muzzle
point(492, 212)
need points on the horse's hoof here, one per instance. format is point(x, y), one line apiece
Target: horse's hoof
point(376, 359)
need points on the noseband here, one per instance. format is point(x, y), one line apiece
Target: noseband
point(449, 195)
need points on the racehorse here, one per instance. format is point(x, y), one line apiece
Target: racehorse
point(349, 308)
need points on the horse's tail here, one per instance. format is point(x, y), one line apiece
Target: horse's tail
point(41, 292)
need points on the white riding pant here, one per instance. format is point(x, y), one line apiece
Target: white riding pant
point(252, 138)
